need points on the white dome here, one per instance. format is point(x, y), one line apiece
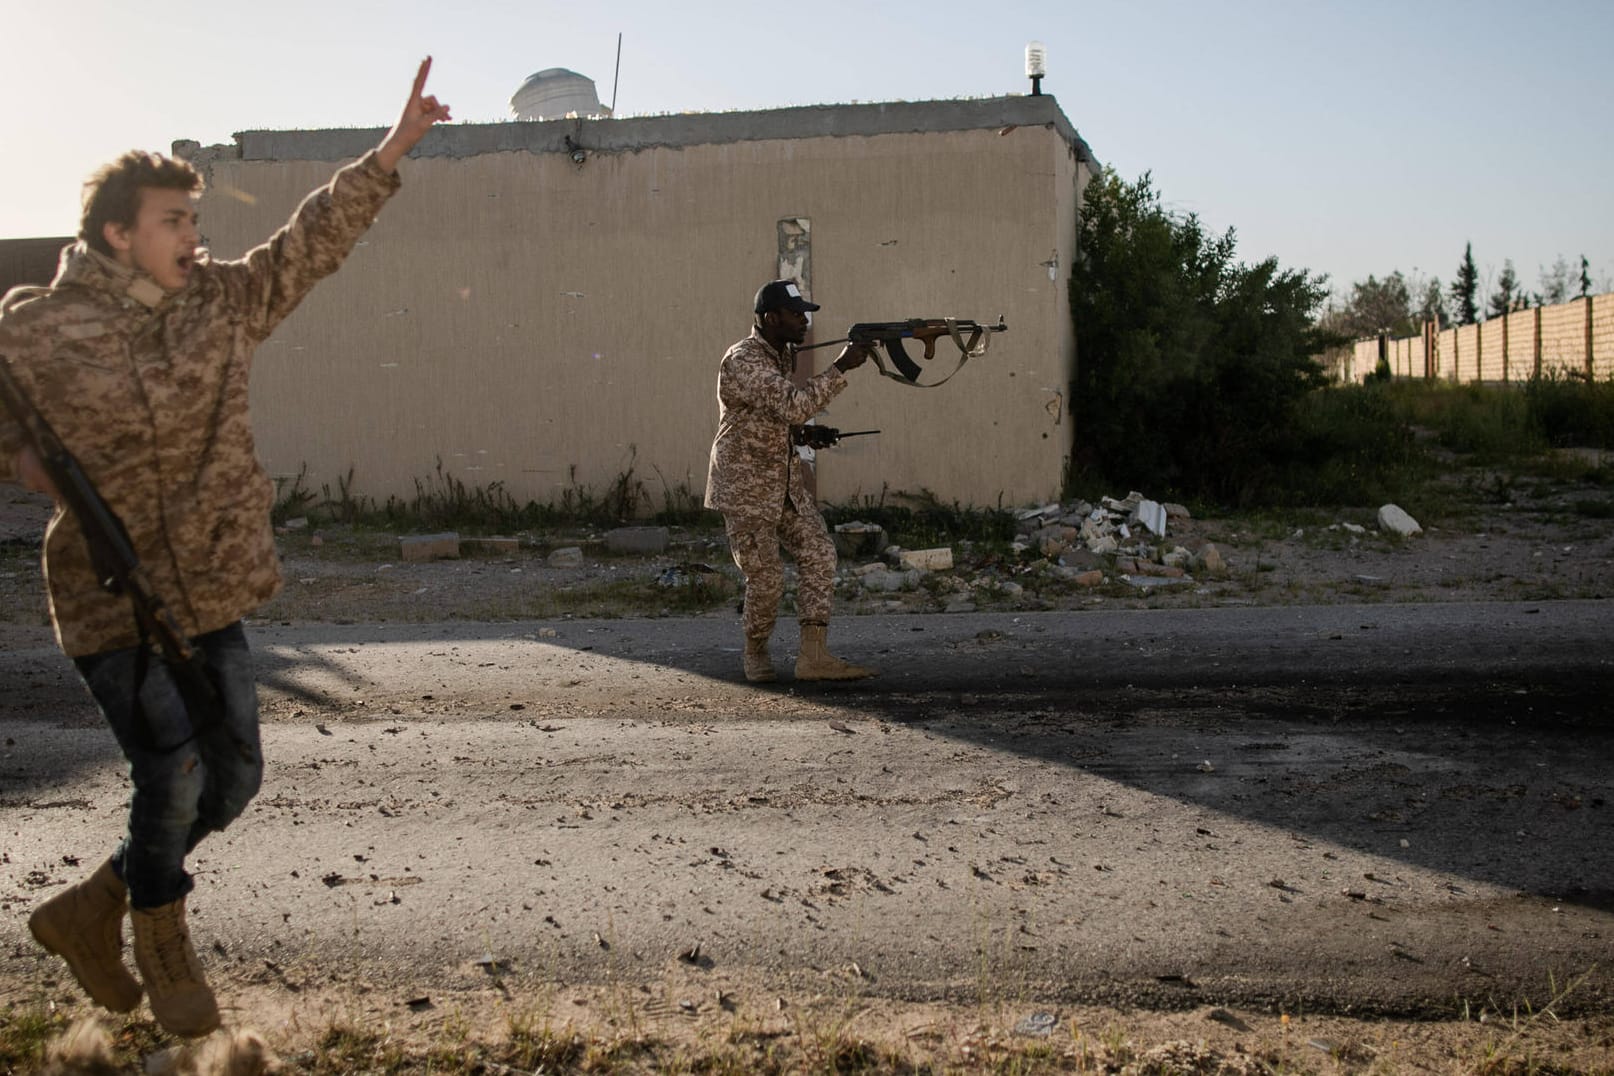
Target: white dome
point(554, 94)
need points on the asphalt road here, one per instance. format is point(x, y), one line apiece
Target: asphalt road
point(1369, 809)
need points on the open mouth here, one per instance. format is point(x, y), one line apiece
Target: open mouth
point(185, 262)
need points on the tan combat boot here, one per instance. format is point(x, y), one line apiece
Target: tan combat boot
point(758, 662)
point(83, 924)
point(815, 662)
point(181, 1000)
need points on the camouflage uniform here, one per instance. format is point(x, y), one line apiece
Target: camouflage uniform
point(149, 391)
point(757, 480)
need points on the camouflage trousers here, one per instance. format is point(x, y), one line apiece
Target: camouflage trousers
point(756, 543)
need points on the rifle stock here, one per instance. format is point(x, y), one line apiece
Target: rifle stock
point(117, 567)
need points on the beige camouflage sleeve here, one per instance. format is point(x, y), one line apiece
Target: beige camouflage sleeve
point(275, 276)
point(753, 381)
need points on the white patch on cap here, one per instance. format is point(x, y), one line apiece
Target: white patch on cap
point(790, 290)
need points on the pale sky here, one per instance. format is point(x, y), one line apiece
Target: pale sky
point(1346, 137)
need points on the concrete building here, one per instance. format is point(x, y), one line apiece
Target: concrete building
point(30, 261)
point(544, 304)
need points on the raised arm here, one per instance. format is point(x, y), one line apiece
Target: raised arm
point(420, 113)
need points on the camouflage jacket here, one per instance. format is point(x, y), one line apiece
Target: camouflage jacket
point(149, 392)
point(754, 468)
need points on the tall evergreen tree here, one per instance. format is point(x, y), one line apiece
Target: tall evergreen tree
point(1585, 277)
point(1465, 289)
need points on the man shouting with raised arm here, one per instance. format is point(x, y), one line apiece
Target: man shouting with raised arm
point(139, 355)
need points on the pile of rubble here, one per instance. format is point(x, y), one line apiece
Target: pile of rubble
point(1081, 543)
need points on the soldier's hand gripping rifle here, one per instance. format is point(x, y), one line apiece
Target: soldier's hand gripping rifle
point(117, 568)
point(971, 337)
point(814, 436)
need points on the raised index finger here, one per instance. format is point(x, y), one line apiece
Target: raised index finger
point(420, 79)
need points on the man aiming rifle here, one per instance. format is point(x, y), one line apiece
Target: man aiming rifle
point(756, 480)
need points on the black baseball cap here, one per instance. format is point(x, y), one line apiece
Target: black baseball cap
point(781, 295)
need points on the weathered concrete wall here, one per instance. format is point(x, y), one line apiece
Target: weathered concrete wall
point(543, 323)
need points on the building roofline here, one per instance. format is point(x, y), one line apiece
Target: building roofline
point(611, 135)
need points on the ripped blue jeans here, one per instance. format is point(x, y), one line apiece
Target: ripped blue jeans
point(188, 782)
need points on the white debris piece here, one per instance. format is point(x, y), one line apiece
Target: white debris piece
point(1394, 519)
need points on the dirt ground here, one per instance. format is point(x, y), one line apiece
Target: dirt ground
point(1507, 541)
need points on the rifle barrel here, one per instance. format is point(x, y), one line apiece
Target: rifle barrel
point(826, 343)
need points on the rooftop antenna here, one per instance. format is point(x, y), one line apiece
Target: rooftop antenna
point(1036, 66)
point(618, 73)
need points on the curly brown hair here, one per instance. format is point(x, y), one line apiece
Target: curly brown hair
point(112, 194)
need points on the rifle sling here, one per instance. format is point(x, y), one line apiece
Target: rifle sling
point(908, 371)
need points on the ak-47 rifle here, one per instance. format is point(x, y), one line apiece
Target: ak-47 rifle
point(815, 436)
point(971, 337)
point(117, 568)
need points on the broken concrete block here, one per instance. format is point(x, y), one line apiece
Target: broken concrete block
point(1038, 512)
point(859, 539)
point(887, 581)
point(1176, 511)
point(1394, 519)
point(418, 547)
point(928, 560)
point(1210, 559)
point(1178, 557)
point(566, 557)
point(1153, 516)
point(1084, 559)
point(1090, 578)
point(1055, 538)
point(637, 540)
point(1095, 528)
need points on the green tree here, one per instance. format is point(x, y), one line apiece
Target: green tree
point(1378, 306)
point(1190, 365)
point(1556, 282)
point(1585, 277)
point(1432, 305)
point(1465, 289)
point(1508, 295)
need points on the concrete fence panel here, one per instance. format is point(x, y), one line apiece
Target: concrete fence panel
point(1521, 345)
point(1563, 339)
point(1488, 362)
point(1463, 363)
point(1603, 336)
